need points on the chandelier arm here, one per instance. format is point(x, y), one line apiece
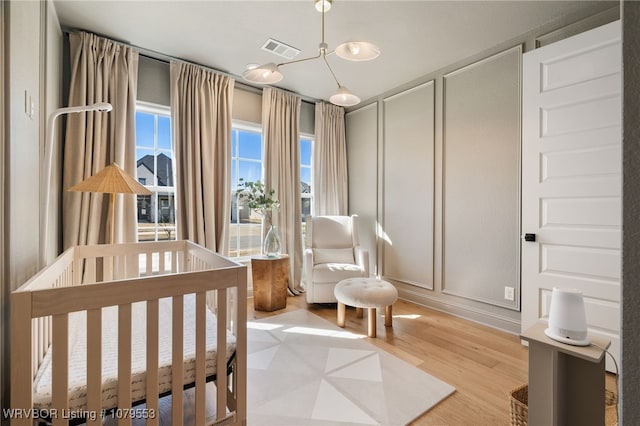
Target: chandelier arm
point(300, 60)
point(331, 71)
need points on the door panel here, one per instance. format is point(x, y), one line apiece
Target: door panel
point(571, 181)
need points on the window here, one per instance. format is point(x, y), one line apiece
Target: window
point(154, 158)
point(247, 154)
point(245, 236)
point(306, 178)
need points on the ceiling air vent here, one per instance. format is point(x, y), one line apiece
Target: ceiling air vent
point(281, 49)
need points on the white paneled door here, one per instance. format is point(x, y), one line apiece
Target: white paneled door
point(571, 182)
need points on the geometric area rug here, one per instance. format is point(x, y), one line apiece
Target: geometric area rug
point(304, 370)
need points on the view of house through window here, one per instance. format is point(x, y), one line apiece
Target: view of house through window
point(154, 159)
point(245, 236)
point(306, 178)
point(247, 166)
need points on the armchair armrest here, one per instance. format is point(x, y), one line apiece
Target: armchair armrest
point(362, 259)
point(307, 265)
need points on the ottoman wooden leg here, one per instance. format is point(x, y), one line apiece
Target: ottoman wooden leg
point(388, 316)
point(372, 322)
point(359, 313)
point(342, 312)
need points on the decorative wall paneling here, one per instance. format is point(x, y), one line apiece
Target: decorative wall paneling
point(408, 186)
point(481, 179)
point(362, 157)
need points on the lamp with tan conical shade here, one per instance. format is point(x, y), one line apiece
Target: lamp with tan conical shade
point(112, 180)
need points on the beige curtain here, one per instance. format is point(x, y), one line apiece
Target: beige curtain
point(201, 104)
point(330, 161)
point(101, 71)
point(281, 134)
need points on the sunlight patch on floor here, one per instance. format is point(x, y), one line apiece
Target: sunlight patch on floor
point(323, 332)
point(408, 316)
point(263, 325)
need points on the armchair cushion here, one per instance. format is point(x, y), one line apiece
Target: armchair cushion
point(335, 272)
point(325, 255)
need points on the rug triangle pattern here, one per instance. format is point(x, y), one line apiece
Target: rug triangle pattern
point(304, 371)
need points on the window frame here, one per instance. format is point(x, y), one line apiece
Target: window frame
point(164, 111)
point(310, 195)
point(244, 126)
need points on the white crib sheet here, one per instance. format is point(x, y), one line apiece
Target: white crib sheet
point(78, 355)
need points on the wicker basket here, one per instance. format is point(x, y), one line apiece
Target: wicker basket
point(520, 406)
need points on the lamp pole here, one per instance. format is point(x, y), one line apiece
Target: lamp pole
point(46, 175)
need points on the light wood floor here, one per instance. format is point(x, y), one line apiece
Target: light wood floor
point(482, 363)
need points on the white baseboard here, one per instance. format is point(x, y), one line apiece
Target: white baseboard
point(489, 319)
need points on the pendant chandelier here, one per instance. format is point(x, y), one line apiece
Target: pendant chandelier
point(352, 51)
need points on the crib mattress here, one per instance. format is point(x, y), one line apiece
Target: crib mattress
point(78, 355)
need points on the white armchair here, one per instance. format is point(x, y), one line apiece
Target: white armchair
point(332, 253)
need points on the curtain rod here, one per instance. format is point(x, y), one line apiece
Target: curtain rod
point(162, 57)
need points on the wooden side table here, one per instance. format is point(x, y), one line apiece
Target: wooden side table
point(566, 383)
point(270, 282)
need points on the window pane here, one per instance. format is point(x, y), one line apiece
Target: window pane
point(234, 143)
point(246, 239)
point(234, 176)
point(144, 129)
point(165, 170)
point(305, 180)
point(250, 145)
point(164, 132)
point(250, 171)
point(305, 152)
point(306, 207)
point(145, 166)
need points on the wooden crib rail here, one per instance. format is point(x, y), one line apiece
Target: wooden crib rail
point(46, 301)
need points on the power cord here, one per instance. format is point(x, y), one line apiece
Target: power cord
point(615, 364)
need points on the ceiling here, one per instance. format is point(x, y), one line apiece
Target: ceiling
point(415, 37)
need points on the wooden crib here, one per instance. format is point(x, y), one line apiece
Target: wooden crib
point(180, 307)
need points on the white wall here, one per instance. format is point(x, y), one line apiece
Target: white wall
point(33, 60)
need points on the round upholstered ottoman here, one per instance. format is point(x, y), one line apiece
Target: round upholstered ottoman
point(370, 293)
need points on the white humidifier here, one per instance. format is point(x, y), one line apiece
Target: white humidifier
point(567, 319)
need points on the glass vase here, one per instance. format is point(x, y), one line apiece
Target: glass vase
point(272, 245)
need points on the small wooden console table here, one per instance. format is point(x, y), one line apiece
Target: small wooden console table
point(566, 383)
point(270, 282)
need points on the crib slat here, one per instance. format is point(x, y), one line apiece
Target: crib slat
point(94, 364)
point(21, 346)
point(60, 367)
point(89, 272)
point(221, 356)
point(35, 331)
point(201, 354)
point(152, 361)
point(161, 262)
point(149, 267)
point(124, 361)
point(107, 268)
point(177, 363)
point(174, 262)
